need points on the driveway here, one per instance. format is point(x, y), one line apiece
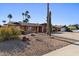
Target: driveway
point(70, 50)
point(70, 35)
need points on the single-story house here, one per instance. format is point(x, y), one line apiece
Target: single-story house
point(29, 27)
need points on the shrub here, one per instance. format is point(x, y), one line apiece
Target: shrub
point(7, 33)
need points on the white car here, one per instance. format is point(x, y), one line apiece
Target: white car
point(75, 30)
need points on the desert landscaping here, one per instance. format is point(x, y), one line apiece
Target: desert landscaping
point(26, 34)
point(38, 45)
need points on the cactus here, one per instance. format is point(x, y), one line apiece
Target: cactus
point(49, 27)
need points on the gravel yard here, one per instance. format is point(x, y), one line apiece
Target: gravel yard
point(39, 44)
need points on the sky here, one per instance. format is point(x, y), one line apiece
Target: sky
point(62, 13)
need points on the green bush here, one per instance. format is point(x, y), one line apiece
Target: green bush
point(8, 33)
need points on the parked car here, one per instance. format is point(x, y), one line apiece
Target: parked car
point(75, 30)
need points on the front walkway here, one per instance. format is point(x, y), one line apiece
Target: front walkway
point(71, 50)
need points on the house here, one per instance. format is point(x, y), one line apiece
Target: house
point(29, 27)
point(56, 28)
point(63, 29)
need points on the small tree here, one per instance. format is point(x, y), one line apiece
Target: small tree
point(77, 26)
point(10, 17)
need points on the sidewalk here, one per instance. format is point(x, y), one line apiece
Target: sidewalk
point(71, 50)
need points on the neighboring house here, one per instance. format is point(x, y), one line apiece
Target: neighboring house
point(56, 28)
point(63, 29)
point(29, 27)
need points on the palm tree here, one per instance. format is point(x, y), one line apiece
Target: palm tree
point(10, 17)
point(27, 16)
point(23, 15)
point(26, 13)
point(4, 21)
point(26, 20)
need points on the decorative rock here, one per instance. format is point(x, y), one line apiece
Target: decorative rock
point(38, 40)
point(32, 34)
point(25, 39)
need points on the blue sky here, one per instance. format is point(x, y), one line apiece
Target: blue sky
point(62, 13)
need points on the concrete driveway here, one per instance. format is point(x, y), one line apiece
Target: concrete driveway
point(70, 35)
point(70, 50)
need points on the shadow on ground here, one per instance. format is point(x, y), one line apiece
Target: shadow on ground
point(12, 45)
point(57, 33)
